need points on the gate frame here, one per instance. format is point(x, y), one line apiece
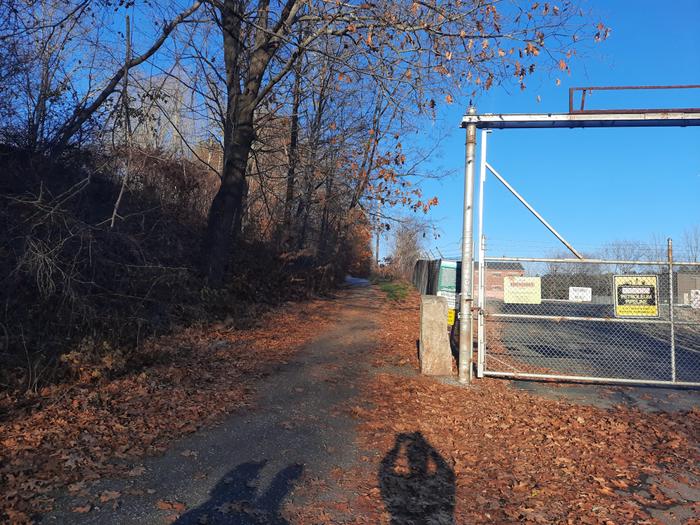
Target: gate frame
point(471, 122)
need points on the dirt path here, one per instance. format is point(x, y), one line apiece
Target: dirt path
point(244, 469)
point(347, 432)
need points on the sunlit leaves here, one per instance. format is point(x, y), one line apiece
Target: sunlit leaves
point(531, 49)
point(603, 32)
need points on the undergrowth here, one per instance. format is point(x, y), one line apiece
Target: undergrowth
point(82, 288)
point(395, 290)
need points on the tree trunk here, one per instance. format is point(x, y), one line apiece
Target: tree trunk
point(324, 230)
point(292, 157)
point(227, 207)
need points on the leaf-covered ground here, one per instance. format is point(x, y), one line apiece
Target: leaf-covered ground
point(494, 454)
point(75, 433)
point(426, 451)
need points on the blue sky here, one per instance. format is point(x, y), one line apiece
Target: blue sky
point(593, 185)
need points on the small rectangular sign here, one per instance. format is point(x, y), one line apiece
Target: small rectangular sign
point(522, 290)
point(695, 299)
point(447, 277)
point(580, 294)
point(448, 286)
point(636, 295)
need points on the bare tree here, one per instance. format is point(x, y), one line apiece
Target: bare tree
point(571, 268)
point(408, 246)
point(396, 59)
point(691, 243)
point(621, 250)
point(423, 48)
point(92, 101)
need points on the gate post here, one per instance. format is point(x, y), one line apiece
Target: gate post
point(670, 310)
point(481, 336)
point(466, 337)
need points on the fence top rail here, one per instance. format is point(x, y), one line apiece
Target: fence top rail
point(588, 261)
point(599, 119)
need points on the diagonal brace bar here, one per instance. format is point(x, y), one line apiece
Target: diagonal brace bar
point(533, 211)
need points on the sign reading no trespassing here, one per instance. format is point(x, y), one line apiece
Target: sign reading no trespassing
point(636, 295)
point(580, 294)
point(522, 290)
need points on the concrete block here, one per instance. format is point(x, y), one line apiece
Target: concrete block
point(434, 345)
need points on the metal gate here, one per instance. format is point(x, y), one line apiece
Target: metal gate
point(613, 321)
point(561, 319)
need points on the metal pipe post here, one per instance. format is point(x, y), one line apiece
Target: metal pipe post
point(670, 310)
point(466, 345)
point(481, 341)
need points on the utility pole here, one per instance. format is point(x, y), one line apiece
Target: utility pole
point(465, 297)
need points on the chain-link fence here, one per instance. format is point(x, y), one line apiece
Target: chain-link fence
point(604, 320)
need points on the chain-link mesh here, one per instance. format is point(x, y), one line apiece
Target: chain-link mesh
point(604, 320)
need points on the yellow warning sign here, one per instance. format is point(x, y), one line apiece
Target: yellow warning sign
point(636, 295)
point(451, 316)
point(522, 290)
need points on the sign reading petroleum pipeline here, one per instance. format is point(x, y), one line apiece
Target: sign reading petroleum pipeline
point(636, 295)
point(522, 290)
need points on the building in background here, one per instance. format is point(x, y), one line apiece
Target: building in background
point(495, 274)
point(427, 276)
point(685, 282)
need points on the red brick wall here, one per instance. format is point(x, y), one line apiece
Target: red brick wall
point(493, 286)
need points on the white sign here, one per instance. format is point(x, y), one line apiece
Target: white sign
point(695, 299)
point(580, 294)
point(450, 296)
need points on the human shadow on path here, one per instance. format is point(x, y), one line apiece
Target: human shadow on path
point(417, 485)
point(236, 500)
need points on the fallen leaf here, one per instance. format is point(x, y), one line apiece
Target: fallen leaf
point(109, 495)
point(170, 505)
point(136, 471)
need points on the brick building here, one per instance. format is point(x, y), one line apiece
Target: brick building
point(494, 274)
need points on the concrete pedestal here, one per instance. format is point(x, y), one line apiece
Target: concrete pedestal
point(434, 346)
